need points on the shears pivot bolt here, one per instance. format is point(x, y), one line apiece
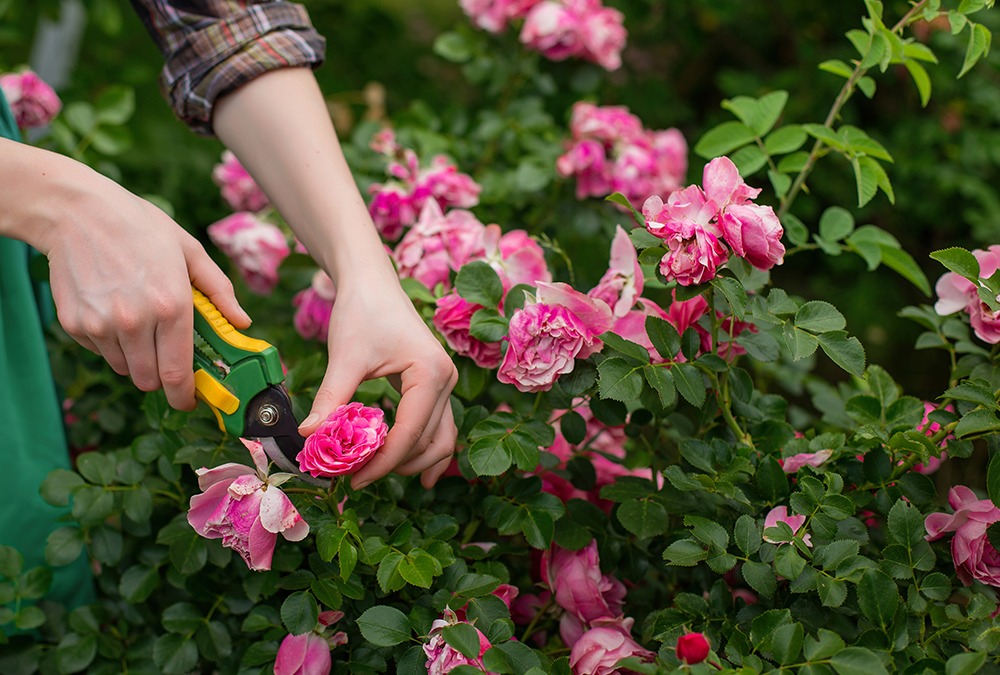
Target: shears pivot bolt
point(268, 415)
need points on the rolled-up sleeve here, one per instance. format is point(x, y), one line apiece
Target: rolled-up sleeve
point(213, 47)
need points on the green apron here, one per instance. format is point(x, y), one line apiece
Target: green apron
point(32, 438)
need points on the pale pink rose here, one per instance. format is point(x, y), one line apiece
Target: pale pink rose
point(549, 333)
point(442, 657)
point(633, 169)
point(599, 650)
point(384, 142)
point(956, 292)
point(490, 15)
point(245, 509)
point(238, 187)
point(779, 514)
point(255, 246)
point(446, 184)
point(391, 209)
point(452, 318)
point(581, 589)
point(723, 184)
point(604, 37)
point(754, 233)
point(622, 284)
point(796, 462)
point(515, 256)
point(313, 308)
point(438, 243)
point(554, 30)
point(975, 558)
point(608, 124)
point(33, 102)
point(344, 442)
point(306, 654)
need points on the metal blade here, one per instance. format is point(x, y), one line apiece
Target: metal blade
point(283, 463)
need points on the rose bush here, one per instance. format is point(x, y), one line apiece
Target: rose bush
point(656, 472)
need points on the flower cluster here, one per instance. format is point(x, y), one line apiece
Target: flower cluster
point(955, 293)
point(313, 307)
point(610, 151)
point(558, 29)
point(396, 203)
point(344, 443)
point(697, 224)
point(974, 555)
point(33, 102)
point(256, 247)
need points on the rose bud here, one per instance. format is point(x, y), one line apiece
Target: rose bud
point(692, 648)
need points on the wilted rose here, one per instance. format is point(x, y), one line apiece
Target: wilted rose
point(344, 442)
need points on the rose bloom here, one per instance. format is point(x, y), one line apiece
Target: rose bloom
point(245, 508)
point(309, 653)
point(344, 442)
point(608, 124)
point(33, 102)
point(255, 246)
point(442, 657)
point(600, 649)
point(452, 319)
point(554, 30)
point(956, 292)
point(391, 209)
point(446, 185)
point(604, 37)
point(621, 285)
point(974, 556)
point(779, 514)
point(687, 223)
point(754, 233)
point(580, 589)
point(384, 142)
point(693, 259)
point(549, 333)
point(692, 648)
point(238, 187)
point(439, 243)
point(314, 306)
point(515, 256)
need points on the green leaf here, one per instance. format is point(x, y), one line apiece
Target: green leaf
point(138, 504)
point(489, 457)
point(64, 546)
point(112, 140)
point(867, 181)
point(825, 134)
point(622, 200)
point(746, 535)
point(618, 380)
point(478, 283)
point(463, 637)
point(906, 524)
point(878, 597)
point(832, 592)
point(11, 562)
point(453, 47)
point(538, 527)
point(921, 79)
point(488, 325)
point(734, 293)
point(965, 663)
point(749, 160)
point(75, 652)
point(959, 261)
point(844, 351)
point(137, 583)
point(786, 642)
point(189, 553)
point(786, 139)
point(979, 40)
point(837, 67)
point(384, 626)
point(520, 657)
point(214, 641)
point(857, 661)
point(644, 517)
point(818, 316)
point(34, 583)
point(780, 182)
point(977, 422)
point(768, 109)
point(993, 478)
point(664, 337)
point(635, 354)
point(826, 644)
point(902, 262)
point(92, 504)
point(59, 485)
point(116, 104)
point(835, 224)
point(175, 654)
point(660, 379)
point(686, 553)
point(182, 617)
point(689, 382)
point(788, 563)
point(723, 139)
point(760, 577)
point(299, 612)
point(867, 86)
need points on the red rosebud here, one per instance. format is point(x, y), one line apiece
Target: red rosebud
point(692, 648)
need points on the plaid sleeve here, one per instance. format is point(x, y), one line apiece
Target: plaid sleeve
point(213, 47)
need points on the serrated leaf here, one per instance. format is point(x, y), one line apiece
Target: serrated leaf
point(644, 517)
point(689, 383)
point(760, 577)
point(979, 38)
point(867, 181)
point(618, 380)
point(662, 381)
point(976, 422)
point(664, 337)
point(818, 316)
point(685, 553)
point(959, 261)
point(384, 626)
point(845, 351)
point(723, 139)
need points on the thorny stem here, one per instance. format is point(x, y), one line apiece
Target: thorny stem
point(845, 93)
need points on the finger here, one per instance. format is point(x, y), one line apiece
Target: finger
point(213, 282)
point(430, 477)
point(139, 349)
point(435, 459)
point(175, 355)
point(343, 375)
point(113, 354)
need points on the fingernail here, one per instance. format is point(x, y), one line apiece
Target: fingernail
point(312, 419)
point(363, 484)
point(245, 315)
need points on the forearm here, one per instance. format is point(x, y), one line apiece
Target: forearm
point(279, 128)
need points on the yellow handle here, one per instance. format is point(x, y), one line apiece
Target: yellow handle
point(223, 328)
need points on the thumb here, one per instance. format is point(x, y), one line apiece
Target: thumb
point(213, 282)
point(342, 378)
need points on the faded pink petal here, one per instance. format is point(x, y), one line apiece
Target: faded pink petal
point(622, 284)
point(779, 514)
point(796, 462)
point(599, 650)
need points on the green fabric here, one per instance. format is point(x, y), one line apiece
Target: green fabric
point(32, 441)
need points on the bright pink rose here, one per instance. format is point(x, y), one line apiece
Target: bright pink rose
point(344, 442)
point(796, 462)
point(600, 649)
point(754, 233)
point(255, 246)
point(974, 556)
point(238, 187)
point(587, 161)
point(391, 209)
point(779, 514)
point(549, 333)
point(438, 243)
point(493, 15)
point(554, 30)
point(443, 182)
point(694, 259)
point(442, 657)
point(580, 589)
point(604, 37)
point(33, 102)
point(621, 285)
point(313, 308)
point(245, 509)
point(633, 169)
point(452, 318)
point(692, 648)
point(931, 428)
point(515, 256)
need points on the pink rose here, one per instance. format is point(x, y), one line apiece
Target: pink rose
point(309, 653)
point(692, 648)
point(554, 30)
point(956, 292)
point(442, 657)
point(779, 514)
point(384, 142)
point(604, 37)
point(490, 15)
point(245, 509)
point(694, 259)
point(446, 184)
point(452, 318)
point(670, 152)
point(439, 243)
point(580, 589)
point(515, 256)
point(974, 556)
point(796, 462)
point(754, 233)
point(33, 102)
point(344, 442)
point(587, 161)
point(238, 187)
point(255, 246)
point(391, 209)
point(621, 285)
point(549, 333)
point(633, 169)
point(600, 649)
point(314, 306)
point(723, 184)
point(607, 124)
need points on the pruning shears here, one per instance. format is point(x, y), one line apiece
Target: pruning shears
point(241, 380)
